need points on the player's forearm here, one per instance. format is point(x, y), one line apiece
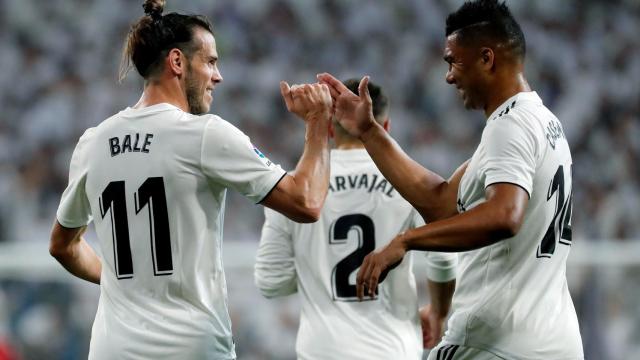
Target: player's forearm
point(79, 259)
point(476, 228)
point(424, 189)
point(440, 294)
point(275, 278)
point(275, 270)
point(312, 172)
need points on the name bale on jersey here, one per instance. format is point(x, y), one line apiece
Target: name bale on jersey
point(366, 182)
point(129, 143)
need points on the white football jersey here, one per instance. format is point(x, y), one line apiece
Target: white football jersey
point(320, 260)
point(511, 297)
point(154, 182)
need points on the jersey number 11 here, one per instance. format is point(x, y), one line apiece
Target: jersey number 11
point(150, 193)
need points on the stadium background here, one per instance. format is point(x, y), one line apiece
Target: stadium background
point(59, 62)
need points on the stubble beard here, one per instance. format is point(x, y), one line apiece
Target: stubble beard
point(194, 97)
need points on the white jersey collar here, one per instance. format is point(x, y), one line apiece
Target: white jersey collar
point(510, 103)
point(129, 111)
point(350, 154)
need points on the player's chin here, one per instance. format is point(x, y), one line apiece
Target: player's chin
point(206, 103)
point(468, 104)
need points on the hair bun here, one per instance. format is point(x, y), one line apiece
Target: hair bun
point(154, 8)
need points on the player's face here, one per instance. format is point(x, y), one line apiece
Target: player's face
point(202, 73)
point(465, 73)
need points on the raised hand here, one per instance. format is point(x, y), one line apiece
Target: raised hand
point(376, 266)
point(353, 112)
point(308, 101)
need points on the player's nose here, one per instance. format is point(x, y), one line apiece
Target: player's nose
point(449, 78)
point(216, 77)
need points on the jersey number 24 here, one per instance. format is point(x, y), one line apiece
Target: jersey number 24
point(559, 231)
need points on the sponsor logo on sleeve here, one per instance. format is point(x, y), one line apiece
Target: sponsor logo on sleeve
point(261, 156)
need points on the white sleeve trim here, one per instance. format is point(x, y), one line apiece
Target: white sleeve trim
point(441, 267)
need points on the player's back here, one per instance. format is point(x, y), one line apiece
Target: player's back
point(159, 222)
point(512, 297)
point(362, 212)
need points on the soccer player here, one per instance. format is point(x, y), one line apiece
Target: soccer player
point(507, 210)
point(362, 211)
point(154, 177)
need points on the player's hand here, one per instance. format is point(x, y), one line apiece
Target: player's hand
point(308, 101)
point(376, 266)
point(353, 112)
point(432, 326)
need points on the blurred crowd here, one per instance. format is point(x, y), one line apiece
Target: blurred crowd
point(61, 59)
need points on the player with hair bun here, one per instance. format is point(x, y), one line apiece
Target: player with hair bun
point(154, 177)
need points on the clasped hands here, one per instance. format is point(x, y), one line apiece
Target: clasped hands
point(329, 96)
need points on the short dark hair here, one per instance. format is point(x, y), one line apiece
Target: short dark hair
point(152, 37)
point(483, 20)
point(378, 97)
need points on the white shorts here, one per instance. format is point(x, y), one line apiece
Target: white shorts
point(446, 351)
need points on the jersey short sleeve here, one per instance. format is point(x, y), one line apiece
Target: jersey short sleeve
point(228, 157)
point(510, 150)
point(441, 266)
point(74, 210)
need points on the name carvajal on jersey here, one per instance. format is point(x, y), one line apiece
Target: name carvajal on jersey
point(365, 182)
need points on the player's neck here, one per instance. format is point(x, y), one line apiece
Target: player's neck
point(349, 145)
point(503, 90)
point(162, 92)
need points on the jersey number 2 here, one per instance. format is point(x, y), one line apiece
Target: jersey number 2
point(150, 193)
point(363, 225)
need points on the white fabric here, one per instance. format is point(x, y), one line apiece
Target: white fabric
point(304, 258)
point(446, 351)
point(181, 313)
point(512, 297)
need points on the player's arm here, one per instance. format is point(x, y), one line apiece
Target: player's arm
point(274, 271)
point(496, 219)
point(301, 194)
point(432, 195)
point(71, 250)
point(434, 315)
point(441, 281)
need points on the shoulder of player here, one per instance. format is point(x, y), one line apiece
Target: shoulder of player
point(86, 137)
point(218, 125)
point(516, 116)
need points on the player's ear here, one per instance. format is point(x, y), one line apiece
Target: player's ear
point(487, 58)
point(175, 62)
